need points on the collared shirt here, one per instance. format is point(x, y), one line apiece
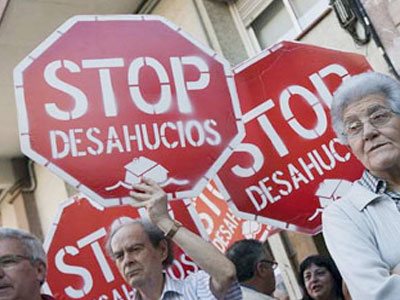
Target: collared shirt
point(379, 186)
point(196, 286)
point(252, 294)
point(362, 233)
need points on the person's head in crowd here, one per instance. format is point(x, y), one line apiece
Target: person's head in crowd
point(22, 265)
point(136, 235)
point(254, 265)
point(365, 116)
point(320, 279)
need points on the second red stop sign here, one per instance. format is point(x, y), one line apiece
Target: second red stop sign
point(290, 165)
point(108, 99)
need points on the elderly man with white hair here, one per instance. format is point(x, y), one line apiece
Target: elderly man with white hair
point(362, 230)
point(141, 251)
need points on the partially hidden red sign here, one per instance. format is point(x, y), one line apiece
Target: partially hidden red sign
point(78, 266)
point(105, 100)
point(290, 165)
point(222, 225)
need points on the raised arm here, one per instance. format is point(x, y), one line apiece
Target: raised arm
point(221, 270)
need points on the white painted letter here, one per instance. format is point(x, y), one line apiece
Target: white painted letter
point(258, 159)
point(74, 270)
point(81, 103)
point(107, 91)
point(54, 151)
point(183, 86)
point(133, 80)
point(322, 121)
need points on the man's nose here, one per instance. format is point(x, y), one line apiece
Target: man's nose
point(128, 258)
point(369, 131)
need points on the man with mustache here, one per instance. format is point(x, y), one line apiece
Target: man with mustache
point(22, 266)
point(142, 249)
point(362, 230)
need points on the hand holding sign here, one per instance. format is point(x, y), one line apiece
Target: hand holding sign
point(150, 195)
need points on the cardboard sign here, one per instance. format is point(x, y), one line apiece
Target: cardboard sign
point(78, 266)
point(290, 165)
point(127, 96)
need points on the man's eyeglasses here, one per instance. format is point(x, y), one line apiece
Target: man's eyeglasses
point(377, 119)
point(10, 261)
point(271, 263)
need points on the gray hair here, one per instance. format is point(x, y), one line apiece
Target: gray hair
point(357, 87)
point(245, 254)
point(31, 245)
point(154, 234)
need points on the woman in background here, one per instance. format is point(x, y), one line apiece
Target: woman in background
point(320, 279)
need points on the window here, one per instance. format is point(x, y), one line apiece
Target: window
point(272, 24)
point(269, 21)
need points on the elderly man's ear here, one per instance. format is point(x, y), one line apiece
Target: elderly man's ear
point(163, 248)
point(262, 269)
point(41, 271)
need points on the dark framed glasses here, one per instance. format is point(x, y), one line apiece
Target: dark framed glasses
point(270, 263)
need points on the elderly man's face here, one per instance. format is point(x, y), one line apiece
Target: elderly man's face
point(378, 149)
point(19, 278)
point(138, 261)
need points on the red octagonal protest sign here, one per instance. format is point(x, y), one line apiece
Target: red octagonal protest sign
point(78, 266)
point(290, 165)
point(221, 225)
point(105, 100)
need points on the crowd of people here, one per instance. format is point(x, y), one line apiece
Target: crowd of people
point(141, 253)
point(361, 230)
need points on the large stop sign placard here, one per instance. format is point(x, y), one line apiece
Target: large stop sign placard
point(290, 165)
point(106, 100)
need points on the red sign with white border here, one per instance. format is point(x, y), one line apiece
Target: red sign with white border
point(127, 96)
point(290, 164)
point(222, 225)
point(78, 266)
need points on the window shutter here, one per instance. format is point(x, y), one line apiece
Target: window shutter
point(250, 9)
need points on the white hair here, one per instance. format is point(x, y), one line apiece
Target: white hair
point(358, 87)
point(30, 244)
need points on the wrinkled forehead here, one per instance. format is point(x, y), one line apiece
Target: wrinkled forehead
point(128, 235)
point(12, 246)
point(365, 106)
